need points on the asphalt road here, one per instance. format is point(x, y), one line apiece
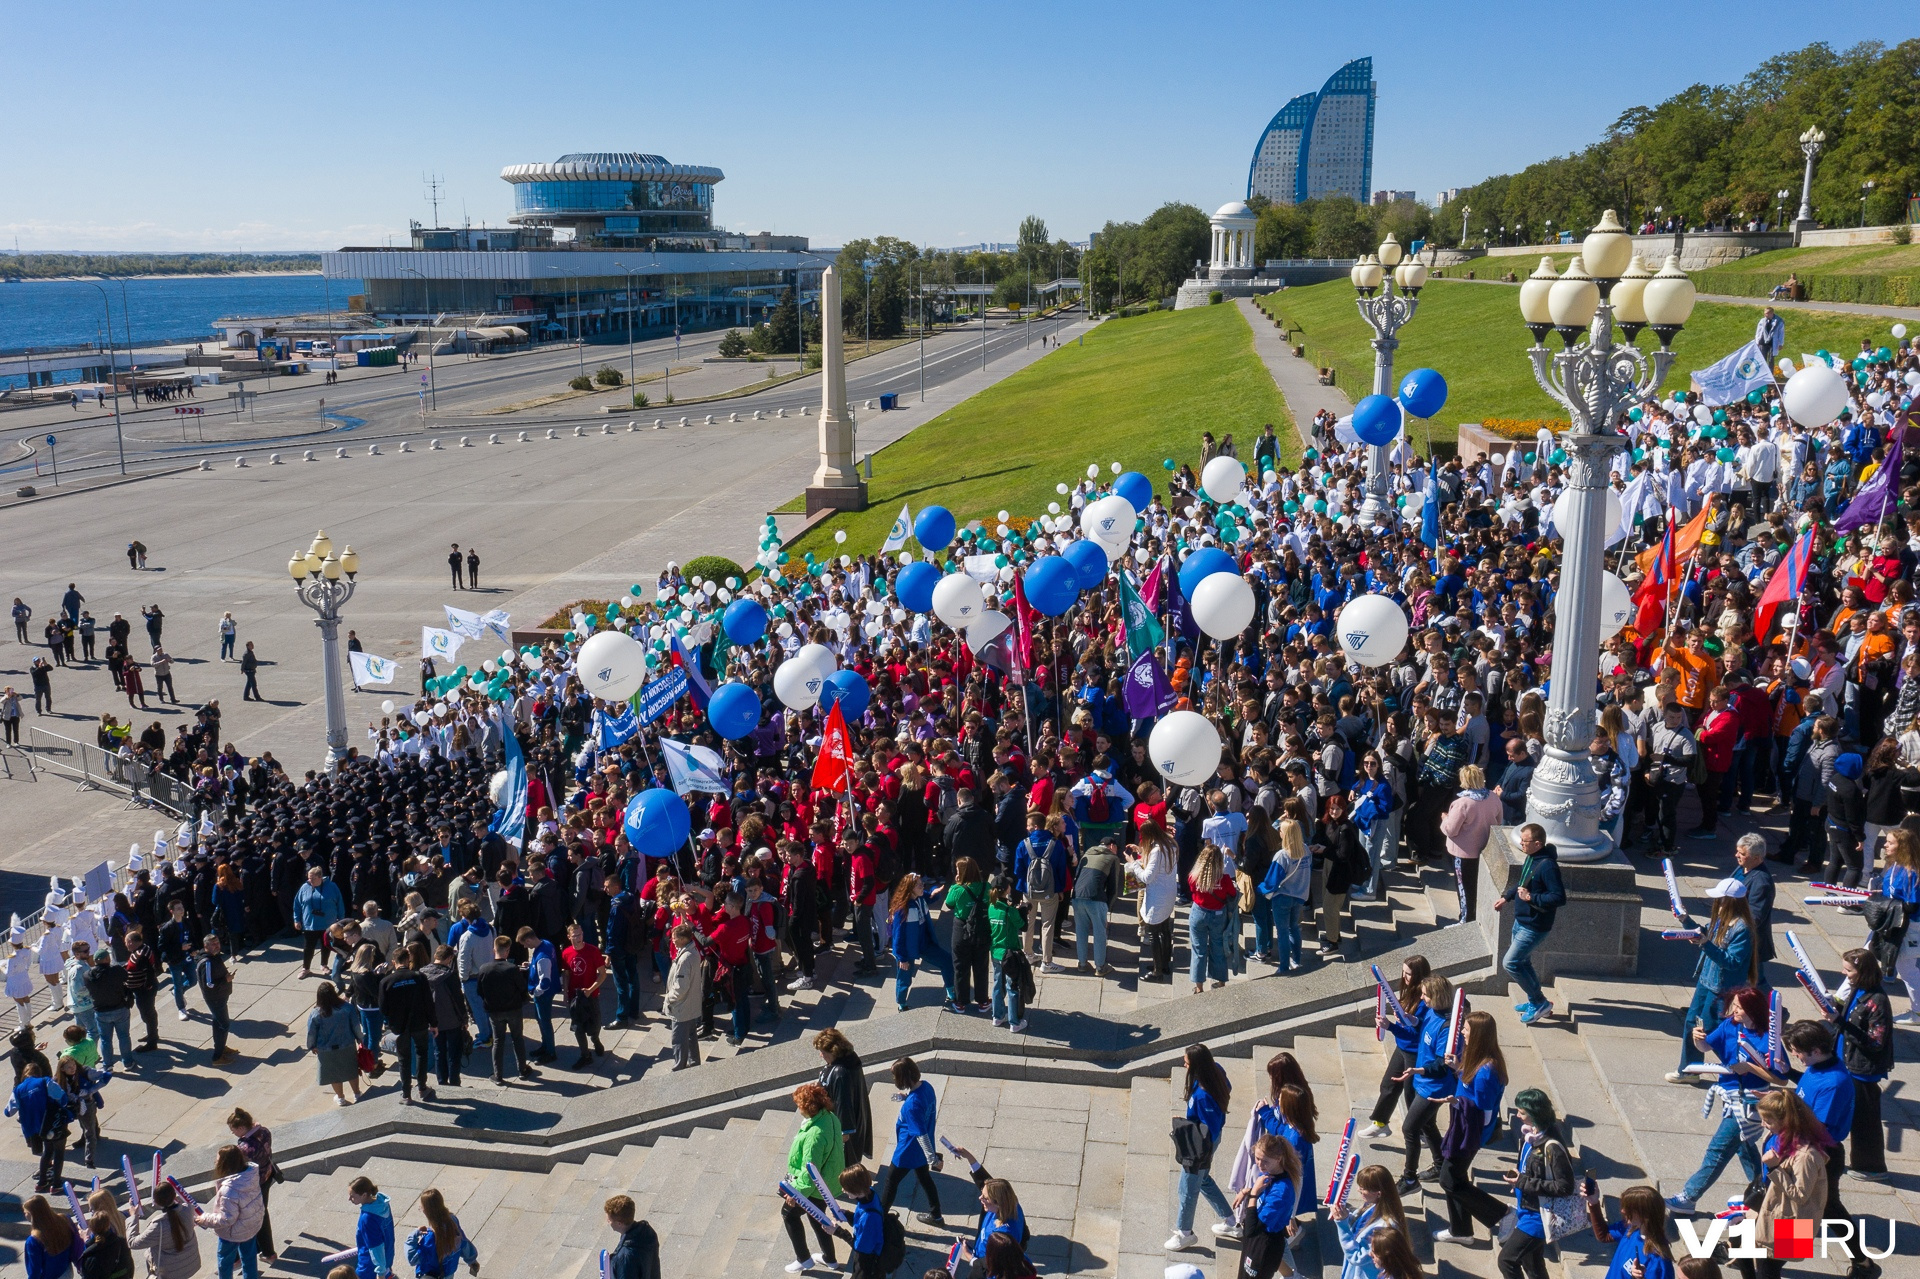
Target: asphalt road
point(384, 408)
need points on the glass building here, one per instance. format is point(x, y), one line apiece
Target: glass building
point(614, 198)
point(1319, 143)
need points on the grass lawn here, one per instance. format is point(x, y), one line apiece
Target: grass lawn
point(1472, 334)
point(1139, 391)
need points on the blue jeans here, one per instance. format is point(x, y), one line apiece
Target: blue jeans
point(1721, 1149)
point(1006, 999)
point(371, 1023)
point(626, 985)
point(1377, 842)
point(116, 1021)
point(182, 977)
point(1286, 926)
point(1525, 941)
point(1090, 920)
point(1705, 1011)
point(903, 971)
point(226, 647)
point(1207, 941)
point(89, 1021)
point(482, 1024)
point(1262, 925)
point(1192, 1186)
point(246, 1252)
point(543, 1013)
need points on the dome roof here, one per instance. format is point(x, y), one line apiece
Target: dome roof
point(612, 157)
point(612, 166)
point(1234, 212)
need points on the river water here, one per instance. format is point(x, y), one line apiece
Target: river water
point(42, 314)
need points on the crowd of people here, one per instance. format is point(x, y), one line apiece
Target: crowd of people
point(990, 797)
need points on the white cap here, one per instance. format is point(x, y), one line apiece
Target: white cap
point(1728, 887)
point(17, 934)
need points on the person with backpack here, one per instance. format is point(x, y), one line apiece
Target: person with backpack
point(1007, 924)
point(1096, 889)
point(46, 1116)
point(436, 1249)
point(967, 901)
point(1543, 1172)
point(1041, 872)
point(1100, 805)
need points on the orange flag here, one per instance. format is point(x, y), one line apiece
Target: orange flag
point(1685, 542)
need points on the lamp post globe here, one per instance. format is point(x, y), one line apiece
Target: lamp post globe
point(1595, 379)
point(325, 582)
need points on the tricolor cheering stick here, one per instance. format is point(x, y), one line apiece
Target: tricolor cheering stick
point(1343, 1183)
point(133, 1184)
point(1456, 1024)
point(79, 1215)
point(193, 1205)
point(820, 1184)
point(1838, 895)
point(1776, 1034)
point(1393, 1000)
point(1679, 908)
point(1809, 975)
point(806, 1205)
point(1340, 1160)
point(605, 1272)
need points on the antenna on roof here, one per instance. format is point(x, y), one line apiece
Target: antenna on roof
point(434, 183)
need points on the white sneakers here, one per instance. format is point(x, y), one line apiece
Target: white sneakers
point(802, 982)
point(1377, 1130)
point(1019, 1027)
point(798, 1267)
point(1226, 1230)
point(1181, 1240)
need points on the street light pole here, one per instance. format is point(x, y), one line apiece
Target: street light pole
point(317, 574)
point(1866, 189)
point(1594, 381)
point(1810, 143)
point(119, 436)
point(1385, 314)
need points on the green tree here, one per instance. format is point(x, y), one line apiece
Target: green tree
point(1033, 234)
point(779, 335)
point(733, 346)
point(1340, 228)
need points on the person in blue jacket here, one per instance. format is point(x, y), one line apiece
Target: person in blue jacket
point(1379, 1210)
point(1269, 1205)
point(1727, 962)
point(1642, 1251)
point(372, 1232)
point(1475, 1103)
point(866, 1231)
point(1537, 896)
point(1433, 1082)
point(316, 908)
point(1827, 1088)
point(913, 1148)
point(912, 939)
point(1543, 1170)
point(1745, 1028)
point(1406, 1044)
point(543, 983)
point(1208, 1094)
point(45, 1112)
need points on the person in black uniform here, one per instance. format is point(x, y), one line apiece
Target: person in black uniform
point(453, 563)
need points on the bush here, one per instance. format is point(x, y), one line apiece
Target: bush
point(1215, 298)
point(639, 399)
point(1903, 233)
point(717, 568)
point(607, 375)
point(814, 358)
point(733, 346)
point(581, 383)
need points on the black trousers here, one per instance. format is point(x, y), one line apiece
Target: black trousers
point(505, 1026)
point(1845, 861)
point(795, 1219)
point(1391, 1090)
point(450, 1048)
point(1422, 1124)
point(1523, 1254)
point(1869, 1141)
point(410, 1046)
point(801, 939)
point(1160, 946)
point(1708, 793)
point(1667, 795)
point(890, 1178)
point(970, 974)
point(143, 1000)
point(309, 945)
point(1466, 1202)
point(53, 1156)
point(1466, 880)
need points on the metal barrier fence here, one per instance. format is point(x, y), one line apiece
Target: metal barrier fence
point(97, 769)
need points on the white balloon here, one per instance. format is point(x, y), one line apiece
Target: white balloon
point(786, 630)
point(611, 666)
point(509, 656)
point(1786, 367)
point(798, 680)
point(957, 601)
point(1110, 522)
point(489, 666)
point(386, 707)
point(1814, 396)
point(1006, 573)
point(1702, 414)
point(1616, 606)
point(1222, 478)
point(840, 535)
point(1563, 511)
point(906, 558)
point(1053, 508)
point(1185, 747)
point(1371, 629)
point(989, 627)
point(1899, 330)
point(1223, 605)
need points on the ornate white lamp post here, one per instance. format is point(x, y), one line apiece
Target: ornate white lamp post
point(317, 574)
point(1810, 143)
point(1596, 380)
point(1385, 311)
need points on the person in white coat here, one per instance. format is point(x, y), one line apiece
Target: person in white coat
point(50, 953)
point(1152, 865)
point(20, 966)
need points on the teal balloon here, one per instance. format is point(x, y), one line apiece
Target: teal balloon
point(1882, 356)
point(1633, 415)
point(1230, 534)
point(634, 590)
point(1558, 457)
point(1168, 464)
point(1320, 507)
point(1529, 457)
point(1291, 507)
point(1726, 455)
point(1639, 455)
point(1719, 416)
point(1755, 397)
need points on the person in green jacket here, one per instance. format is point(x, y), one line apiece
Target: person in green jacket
point(1007, 927)
point(817, 1143)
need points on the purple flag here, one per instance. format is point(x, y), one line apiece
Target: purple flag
point(1147, 693)
point(1872, 500)
point(1180, 613)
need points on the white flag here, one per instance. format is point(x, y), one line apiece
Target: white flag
point(436, 643)
point(902, 529)
point(500, 624)
point(471, 625)
point(368, 669)
point(694, 768)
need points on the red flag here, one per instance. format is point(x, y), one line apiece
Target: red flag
point(833, 767)
point(1652, 593)
point(1785, 583)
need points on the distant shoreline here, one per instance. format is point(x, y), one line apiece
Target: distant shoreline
point(169, 275)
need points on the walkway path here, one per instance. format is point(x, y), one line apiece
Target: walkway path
point(1298, 380)
point(1841, 308)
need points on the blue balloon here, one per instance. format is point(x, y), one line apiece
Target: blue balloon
point(1089, 560)
point(1204, 563)
point(934, 529)
point(734, 711)
point(848, 689)
point(657, 822)
point(744, 622)
point(915, 586)
point(1376, 420)
point(1423, 392)
point(1052, 584)
point(1136, 488)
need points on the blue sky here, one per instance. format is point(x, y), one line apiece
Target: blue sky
point(230, 126)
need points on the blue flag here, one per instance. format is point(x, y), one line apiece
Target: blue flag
point(1430, 516)
point(657, 697)
point(615, 729)
point(510, 821)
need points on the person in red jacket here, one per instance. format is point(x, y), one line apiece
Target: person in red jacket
point(1753, 752)
point(765, 943)
point(1719, 730)
point(730, 940)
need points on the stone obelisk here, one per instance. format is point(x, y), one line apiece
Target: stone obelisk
point(836, 484)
